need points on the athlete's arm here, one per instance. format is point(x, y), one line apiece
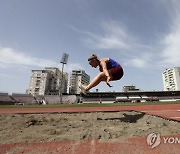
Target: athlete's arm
point(104, 67)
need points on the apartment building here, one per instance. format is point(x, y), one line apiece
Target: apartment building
point(47, 82)
point(171, 79)
point(78, 77)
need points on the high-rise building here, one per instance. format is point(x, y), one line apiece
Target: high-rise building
point(171, 79)
point(47, 82)
point(78, 77)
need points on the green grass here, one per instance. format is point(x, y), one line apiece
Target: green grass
point(86, 105)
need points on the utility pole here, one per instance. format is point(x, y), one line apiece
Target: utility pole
point(63, 61)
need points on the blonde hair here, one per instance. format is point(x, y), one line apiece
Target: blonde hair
point(92, 57)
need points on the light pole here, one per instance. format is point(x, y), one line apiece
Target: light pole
point(63, 61)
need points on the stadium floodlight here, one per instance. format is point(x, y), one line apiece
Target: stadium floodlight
point(63, 61)
point(64, 58)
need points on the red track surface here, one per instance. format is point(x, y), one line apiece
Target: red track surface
point(169, 111)
point(130, 146)
point(134, 145)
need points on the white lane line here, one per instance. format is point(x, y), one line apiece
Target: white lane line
point(175, 117)
point(161, 111)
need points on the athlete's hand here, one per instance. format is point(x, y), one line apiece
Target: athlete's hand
point(109, 85)
point(107, 81)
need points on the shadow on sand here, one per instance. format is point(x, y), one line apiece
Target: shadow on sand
point(127, 118)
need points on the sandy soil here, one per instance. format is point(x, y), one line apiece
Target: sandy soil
point(106, 126)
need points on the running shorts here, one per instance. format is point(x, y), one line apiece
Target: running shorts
point(116, 73)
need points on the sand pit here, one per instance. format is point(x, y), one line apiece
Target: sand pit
point(106, 126)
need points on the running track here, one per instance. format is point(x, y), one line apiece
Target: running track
point(168, 111)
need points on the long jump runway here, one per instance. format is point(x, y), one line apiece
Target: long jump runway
point(168, 111)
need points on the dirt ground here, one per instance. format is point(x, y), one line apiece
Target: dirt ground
point(106, 126)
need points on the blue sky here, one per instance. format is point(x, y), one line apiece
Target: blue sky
point(142, 35)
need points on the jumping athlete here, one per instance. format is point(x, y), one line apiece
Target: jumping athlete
point(110, 70)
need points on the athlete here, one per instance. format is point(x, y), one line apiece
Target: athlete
point(110, 70)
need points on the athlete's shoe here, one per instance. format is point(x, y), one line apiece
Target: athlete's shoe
point(83, 89)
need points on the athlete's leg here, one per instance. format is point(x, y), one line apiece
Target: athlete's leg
point(100, 77)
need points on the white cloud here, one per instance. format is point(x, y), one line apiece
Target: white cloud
point(114, 37)
point(171, 45)
point(10, 58)
point(138, 62)
point(141, 61)
point(171, 53)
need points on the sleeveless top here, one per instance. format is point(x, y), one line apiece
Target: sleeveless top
point(111, 64)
